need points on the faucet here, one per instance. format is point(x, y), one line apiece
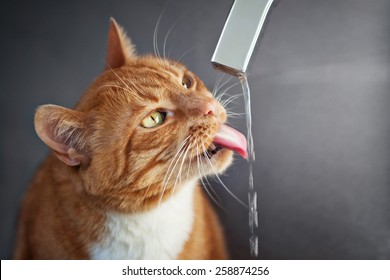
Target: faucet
point(239, 35)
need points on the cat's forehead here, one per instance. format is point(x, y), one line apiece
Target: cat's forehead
point(142, 82)
point(154, 65)
point(151, 72)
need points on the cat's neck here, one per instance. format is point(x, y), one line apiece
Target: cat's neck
point(159, 233)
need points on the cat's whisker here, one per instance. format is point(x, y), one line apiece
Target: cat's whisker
point(222, 91)
point(215, 198)
point(172, 165)
point(125, 89)
point(111, 86)
point(222, 85)
point(219, 179)
point(166, 37)
point(189, 167)
point(198, 161)
point(170, 50)
point(178, 176)
point(180, 147)
point(217, 82)
point(106, 86)
point(201, 176)
point(120, 79)
point(232, 115)
point(173, 159)
point(165, 185)
point(155, 37)
point(214, 194)
point(219, 96)
point(188, 51)
point(229, 108)
point(230, 99)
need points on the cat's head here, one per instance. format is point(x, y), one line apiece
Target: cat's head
point(143, 128)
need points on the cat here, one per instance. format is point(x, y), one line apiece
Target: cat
point(121, 181)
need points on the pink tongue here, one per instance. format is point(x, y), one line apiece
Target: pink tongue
point(231, 139)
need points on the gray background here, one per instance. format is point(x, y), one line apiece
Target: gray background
point(320, 87)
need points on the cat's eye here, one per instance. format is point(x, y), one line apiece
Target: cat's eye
point(154, 119)
point(186, 82)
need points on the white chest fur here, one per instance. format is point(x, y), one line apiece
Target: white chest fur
point(157, 234)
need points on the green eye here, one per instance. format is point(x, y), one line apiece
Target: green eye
point(186, 82)
point(153, 120)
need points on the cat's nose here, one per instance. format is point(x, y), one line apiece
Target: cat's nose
point(209, 108)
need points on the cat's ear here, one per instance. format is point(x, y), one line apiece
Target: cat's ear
point(119, 47)
point(63, 130)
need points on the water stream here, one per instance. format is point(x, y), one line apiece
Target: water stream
point(252, 194)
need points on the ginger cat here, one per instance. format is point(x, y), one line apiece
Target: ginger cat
point(122, 180)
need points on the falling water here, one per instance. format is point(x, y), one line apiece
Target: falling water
point(252, 194)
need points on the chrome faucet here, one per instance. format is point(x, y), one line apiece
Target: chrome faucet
point(239, 35)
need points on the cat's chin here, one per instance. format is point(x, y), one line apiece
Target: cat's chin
point(218, 162)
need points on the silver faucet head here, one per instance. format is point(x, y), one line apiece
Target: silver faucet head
point(239, 35)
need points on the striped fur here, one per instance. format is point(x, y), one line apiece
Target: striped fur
point(105, 169)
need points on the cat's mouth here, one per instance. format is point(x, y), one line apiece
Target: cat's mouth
point(229, 138)
point(212, 150)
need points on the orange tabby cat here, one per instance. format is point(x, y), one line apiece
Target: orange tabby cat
point(121, 182)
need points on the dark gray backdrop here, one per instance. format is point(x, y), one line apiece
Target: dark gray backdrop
point(321, 90)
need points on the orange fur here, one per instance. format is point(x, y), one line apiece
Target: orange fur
point(104, 161)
